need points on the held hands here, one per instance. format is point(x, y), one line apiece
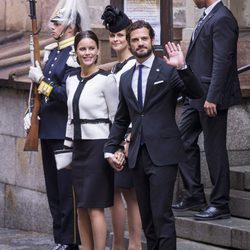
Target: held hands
point(35, 73)
point(175, 55)
point(210, 108)
point(117, 161)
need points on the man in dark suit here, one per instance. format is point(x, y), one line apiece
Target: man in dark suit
point(212, 54)
point(148, 94)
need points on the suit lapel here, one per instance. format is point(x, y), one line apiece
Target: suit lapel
point(153, 74)
point(129, 88)
point(198, 31)
point(210, 15)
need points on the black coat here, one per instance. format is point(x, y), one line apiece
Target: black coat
point(213, 57)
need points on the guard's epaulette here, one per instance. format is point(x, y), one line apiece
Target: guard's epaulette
point(51, 46)
point(47, 50)
point(72, 61)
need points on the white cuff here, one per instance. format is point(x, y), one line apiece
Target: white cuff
point(108, 155)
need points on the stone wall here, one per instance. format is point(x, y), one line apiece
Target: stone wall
point(23, 202)
point(14, 14)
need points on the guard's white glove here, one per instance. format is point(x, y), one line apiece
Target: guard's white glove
point(35, 73)
point(27, 121)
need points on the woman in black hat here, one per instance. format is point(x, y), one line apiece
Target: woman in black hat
point(117, 22)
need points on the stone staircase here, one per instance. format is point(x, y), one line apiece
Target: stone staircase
point(233, 233)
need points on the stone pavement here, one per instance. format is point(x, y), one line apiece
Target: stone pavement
point(11, 239)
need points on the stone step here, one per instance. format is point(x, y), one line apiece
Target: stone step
point(182, 244)
point(239, 203)
point(240, 177)
point(227, 233)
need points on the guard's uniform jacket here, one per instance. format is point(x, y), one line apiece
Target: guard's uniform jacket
point(59, 61)
point(53, 112)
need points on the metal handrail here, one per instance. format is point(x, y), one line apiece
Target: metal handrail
point(244, 69)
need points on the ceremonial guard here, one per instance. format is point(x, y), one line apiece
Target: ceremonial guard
point(69, 17)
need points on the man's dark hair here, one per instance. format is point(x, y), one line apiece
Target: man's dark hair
point(138, 25)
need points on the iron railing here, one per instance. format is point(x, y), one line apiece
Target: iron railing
point(244, 69)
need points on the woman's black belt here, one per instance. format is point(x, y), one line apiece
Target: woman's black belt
point(90, 121)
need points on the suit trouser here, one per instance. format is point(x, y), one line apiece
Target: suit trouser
point(154, 187)
point(60, 195)
point(192, 123)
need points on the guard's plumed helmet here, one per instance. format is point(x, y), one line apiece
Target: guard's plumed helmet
point(114, 19)
point(70, 12)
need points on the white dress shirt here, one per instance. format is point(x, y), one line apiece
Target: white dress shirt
point(209, 8)
point(145, 72)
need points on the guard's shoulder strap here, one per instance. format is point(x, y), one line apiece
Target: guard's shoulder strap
point(72, 61)
point(47, 50)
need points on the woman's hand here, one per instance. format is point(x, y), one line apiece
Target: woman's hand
point(117, 161)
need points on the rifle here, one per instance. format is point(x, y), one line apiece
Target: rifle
point(31, 143)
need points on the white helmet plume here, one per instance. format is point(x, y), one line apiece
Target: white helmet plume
point(70, 12)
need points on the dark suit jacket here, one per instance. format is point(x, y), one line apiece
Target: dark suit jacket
point(157, 118)
point(212, 56)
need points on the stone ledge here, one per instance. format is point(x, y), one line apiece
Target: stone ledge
point(240, 177)
point(239, 203)
point(232, 232)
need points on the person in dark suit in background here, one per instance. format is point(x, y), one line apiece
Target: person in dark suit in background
point(148, 94)
point(212, 54)
point(68, 18)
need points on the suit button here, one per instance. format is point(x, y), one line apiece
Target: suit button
point(142, 115)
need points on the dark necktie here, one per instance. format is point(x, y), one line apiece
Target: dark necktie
point(199, 24)
point(139, 87)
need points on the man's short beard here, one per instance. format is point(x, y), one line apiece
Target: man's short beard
point(144, 55)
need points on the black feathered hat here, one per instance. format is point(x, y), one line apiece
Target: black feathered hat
point(114, 19)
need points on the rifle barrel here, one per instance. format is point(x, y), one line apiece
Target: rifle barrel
point(31, 142)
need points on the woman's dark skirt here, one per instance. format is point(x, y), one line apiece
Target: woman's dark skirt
point(93, 178)
point(124, 179)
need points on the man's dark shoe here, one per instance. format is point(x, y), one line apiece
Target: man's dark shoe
point(213, 213)
point(189, 204)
